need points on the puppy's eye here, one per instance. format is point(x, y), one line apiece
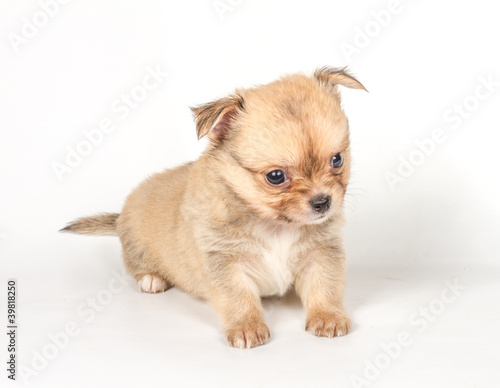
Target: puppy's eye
point(337, 160)
point(276, 177)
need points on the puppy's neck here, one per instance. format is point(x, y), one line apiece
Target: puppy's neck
point(278, 228)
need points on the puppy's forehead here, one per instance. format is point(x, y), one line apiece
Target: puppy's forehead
point(293, 119)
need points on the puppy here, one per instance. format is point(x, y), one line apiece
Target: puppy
point(259, 212)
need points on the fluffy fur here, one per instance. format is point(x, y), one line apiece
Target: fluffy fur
point(216, 229)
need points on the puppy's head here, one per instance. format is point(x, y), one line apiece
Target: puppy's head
point(283, 148)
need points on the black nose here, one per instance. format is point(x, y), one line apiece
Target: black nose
point(321, 203)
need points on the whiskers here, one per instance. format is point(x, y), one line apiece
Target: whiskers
point(351, 198)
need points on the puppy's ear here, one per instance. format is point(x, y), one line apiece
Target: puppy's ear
point(331, 77)
point(215, 119)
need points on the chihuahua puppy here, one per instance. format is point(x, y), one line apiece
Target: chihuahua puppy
point(259, 212)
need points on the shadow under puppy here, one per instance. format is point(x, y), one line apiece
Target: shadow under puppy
point(259, 212)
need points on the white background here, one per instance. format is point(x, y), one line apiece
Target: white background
point(440, 223)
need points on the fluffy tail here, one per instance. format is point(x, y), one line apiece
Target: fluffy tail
point(102, 224)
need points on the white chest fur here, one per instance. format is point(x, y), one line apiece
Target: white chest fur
point(273, 274)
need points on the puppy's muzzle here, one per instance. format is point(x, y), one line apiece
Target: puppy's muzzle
point(321, 203)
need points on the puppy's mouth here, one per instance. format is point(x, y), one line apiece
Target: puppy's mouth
point(316, 218)
point(312, 218)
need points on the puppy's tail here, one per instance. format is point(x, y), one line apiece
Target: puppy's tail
point(101, 224)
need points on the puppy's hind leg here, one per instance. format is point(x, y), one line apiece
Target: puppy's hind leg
point(137, 264)
point(152, 283)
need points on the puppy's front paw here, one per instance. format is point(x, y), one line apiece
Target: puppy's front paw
point(152, 283)
point(328, 324)
point(248, 336)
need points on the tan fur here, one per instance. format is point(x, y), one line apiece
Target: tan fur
point(102, 224)
point(215, 228)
